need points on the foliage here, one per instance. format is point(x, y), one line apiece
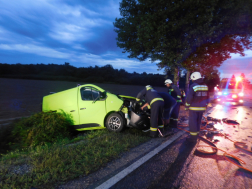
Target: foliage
point(66, 159)
point(212, 80)
point(105, 74)
point(42, 128)
point(172, 31)
point(211, 55)
point(245, 81)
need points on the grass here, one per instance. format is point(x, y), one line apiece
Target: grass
point(65, 159)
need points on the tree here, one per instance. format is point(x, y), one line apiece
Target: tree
point(212, 79)
point(169, 31)
point(209, 56)
point(245, 81)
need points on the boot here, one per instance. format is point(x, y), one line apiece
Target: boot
point(192, 139)
point(153, 134)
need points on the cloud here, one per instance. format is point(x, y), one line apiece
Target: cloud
point(56, 31)
point(236, 67)
point(33, 49)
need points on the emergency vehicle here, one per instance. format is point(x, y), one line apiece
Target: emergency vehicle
point(230, 91)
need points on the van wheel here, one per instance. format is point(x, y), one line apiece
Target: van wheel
point(115, 122)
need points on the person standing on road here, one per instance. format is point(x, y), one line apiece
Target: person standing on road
point(176, 94)
point(169, 104)
point(196, 101)
point(156, 104)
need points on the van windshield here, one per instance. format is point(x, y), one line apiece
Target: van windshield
point(230, 85)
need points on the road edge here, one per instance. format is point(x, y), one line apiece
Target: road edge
point(119, 176)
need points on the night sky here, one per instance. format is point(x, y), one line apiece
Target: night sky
point(80, 32)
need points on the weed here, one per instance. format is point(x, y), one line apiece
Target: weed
point(58, 162)
point(42, 128)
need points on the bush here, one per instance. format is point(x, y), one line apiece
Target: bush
point(41, 128)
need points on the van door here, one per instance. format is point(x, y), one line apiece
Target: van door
point(91, 104)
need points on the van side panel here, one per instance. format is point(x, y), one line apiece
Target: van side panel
point(65, 100)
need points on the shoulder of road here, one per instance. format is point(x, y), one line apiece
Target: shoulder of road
point(116, 170)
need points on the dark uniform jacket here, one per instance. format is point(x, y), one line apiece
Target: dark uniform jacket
point(149, 95)
point(175, 92)
point(198, 96)
point(169, 101)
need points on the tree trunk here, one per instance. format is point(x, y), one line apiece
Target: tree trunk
point(176, 77)
point(187, 81)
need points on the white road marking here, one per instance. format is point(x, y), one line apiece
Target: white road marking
point(113, 180)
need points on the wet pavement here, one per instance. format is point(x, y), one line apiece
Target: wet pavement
point(180, 166)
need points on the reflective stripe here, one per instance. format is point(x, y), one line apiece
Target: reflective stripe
point(194, 133)
point(178, 96)
point(197, 108)
point(179, 100)
point(171, 89)
point(156, 99)
point(153, 129)
point(174, 119)
point(148, 88)
point(200, 88)
point(148, 106)
point(161, 126)
point(137, 99)
point(187, 104)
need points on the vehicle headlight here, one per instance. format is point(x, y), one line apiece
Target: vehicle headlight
point(241, 94)
point(219, 93)
point(234, 96)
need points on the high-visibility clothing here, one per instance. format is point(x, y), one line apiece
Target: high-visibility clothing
point(198, 96)
point(175, 115)
point(169, 104)
point(156, 118)
point(149, 95)
point(196, 100)
point(195, 121)
point(175, 92)
point(156, 103)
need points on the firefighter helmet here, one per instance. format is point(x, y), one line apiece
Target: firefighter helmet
point(195, 76)
point(168, 81)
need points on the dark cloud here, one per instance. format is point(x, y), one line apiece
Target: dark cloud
point(103, 42)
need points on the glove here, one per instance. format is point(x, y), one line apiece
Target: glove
point(210, 105)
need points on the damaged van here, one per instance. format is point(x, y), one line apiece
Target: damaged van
point(91, 107)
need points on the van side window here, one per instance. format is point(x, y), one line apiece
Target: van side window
point(90, 93)
point(86, 93)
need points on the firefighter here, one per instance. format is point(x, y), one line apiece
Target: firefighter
point(176, 94)
point(169, 104)
point(196, 101)
point(156, 104)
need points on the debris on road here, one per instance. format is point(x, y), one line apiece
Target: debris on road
point(229, 121)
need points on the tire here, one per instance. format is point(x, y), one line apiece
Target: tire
point(115, 122)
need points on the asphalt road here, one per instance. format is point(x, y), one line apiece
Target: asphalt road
point(179, 166)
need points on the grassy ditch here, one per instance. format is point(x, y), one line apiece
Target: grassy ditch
point(42, 165)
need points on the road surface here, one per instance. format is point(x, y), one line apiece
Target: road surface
point(180, 166)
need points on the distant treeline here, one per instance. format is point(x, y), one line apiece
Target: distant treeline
point(67, 72)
